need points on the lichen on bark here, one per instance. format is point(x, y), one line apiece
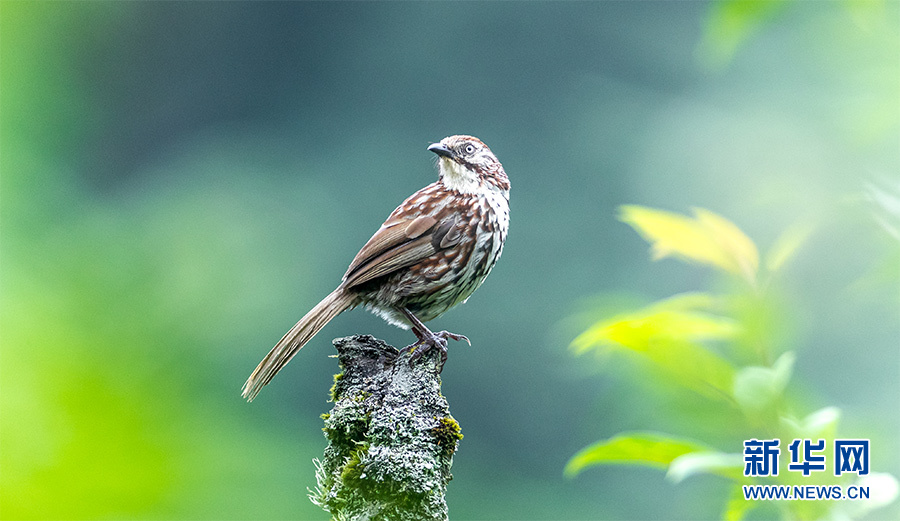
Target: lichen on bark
point(391, 437)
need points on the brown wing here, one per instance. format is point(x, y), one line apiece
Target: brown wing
point(403, 242)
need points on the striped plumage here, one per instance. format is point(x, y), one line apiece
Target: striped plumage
point(430, 254)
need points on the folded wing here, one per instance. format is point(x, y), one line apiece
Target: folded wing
point(403, 242)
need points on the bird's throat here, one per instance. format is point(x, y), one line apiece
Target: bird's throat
point(457, 177)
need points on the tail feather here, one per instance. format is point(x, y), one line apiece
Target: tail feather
point(330, 307)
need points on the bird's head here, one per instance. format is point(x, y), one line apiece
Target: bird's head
point(467, 165)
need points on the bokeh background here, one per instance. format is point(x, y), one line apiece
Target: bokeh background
point(182, 181)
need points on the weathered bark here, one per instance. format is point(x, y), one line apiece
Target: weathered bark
point(390, 433)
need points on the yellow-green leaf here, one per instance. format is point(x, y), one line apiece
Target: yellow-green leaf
point(729, 24)
point(717, 463)
point(757, 388)
point(707, 238)
point(737, 507)
point(787, 244)
point(667, 334)
point(633, 448)
point(819, 424)
point(673, 234)
point(741, 252)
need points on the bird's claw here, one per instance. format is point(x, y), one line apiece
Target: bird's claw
point(434, 340)
point(446, 334)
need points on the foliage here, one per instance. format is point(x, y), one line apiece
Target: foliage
point(720, 346)
point(730, 23)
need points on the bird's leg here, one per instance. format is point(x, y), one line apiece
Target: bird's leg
point(428, 339)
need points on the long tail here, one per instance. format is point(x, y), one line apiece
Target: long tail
point(331, 306)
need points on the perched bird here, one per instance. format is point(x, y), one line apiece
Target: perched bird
point(430, 254)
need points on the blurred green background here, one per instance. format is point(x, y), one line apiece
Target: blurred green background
point(180, 182)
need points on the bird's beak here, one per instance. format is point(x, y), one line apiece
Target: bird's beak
point(441, 150)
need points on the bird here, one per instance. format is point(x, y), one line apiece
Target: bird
point(432, 253)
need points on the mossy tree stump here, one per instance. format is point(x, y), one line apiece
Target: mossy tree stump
point(390, 435)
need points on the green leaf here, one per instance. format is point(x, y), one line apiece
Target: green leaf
point(884, 490)
point(708, 238)
point(866, 14)
point(718, 463)
point(787, 244)
point(681, 317)
point(667, 334)
point(756, 388)
point(819, 424)
point(729, 24)
point(737, 507)
point(633, 448)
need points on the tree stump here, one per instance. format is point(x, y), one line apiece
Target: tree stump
point(391, 438)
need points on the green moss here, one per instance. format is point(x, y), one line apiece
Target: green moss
point(346, 431)
point(357, 430)
point(396, 502)
point(335, 389)
point(352, 472)
point(447, 433)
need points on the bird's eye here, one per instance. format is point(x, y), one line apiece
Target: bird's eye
point(469, 149)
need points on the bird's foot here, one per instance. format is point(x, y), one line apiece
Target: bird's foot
point(429, 340)
point(448, 335)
